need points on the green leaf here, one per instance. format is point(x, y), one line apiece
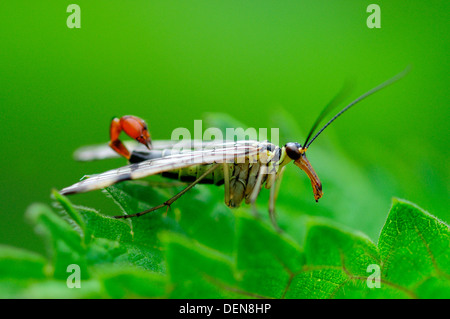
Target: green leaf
point(197, 271)
point(334, 263)
point(110, 263)
point(415, 250)
point(21, 264)
point(201, 249)
point(145, 249)
point(71, 212)
point(265, 260)
point(199, 219)
point(413, 254)
point(65, 245)
point(205, 218)
point(100, 226)
point(334, 259)
point(57, 289)
point(115, 240)
point(127, 282)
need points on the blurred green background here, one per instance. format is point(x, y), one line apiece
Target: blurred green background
point(172, 61)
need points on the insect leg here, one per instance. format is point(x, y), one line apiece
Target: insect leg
point(226, 182)
point(272, 209)
point(257, 189)
point(174, 198)
point(278, 182)
point(274, 189)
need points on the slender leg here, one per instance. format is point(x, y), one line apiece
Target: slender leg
point(272, 209)
point(278, 182)
point(273, 197)
point(257, 189)
point(173, 199)
point(226, 182)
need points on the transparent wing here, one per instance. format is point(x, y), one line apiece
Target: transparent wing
point(99, 152)
point(103, 151)
point(228, 152)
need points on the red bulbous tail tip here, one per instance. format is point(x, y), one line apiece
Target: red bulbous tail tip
point(134, 127)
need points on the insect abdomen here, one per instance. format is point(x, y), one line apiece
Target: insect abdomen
point(191, 173)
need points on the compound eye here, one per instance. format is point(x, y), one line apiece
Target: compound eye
point(292, 151)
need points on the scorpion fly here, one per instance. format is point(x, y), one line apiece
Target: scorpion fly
point(243, 167)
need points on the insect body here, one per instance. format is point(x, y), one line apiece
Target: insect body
point(243, 167)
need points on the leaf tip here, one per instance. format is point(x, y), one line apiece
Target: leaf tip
point(54, 192)
point(35, 210)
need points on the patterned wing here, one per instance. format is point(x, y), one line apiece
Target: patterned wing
point(228, 152)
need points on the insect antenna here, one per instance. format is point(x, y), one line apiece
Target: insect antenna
point(343, 92)
point(368, 93)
